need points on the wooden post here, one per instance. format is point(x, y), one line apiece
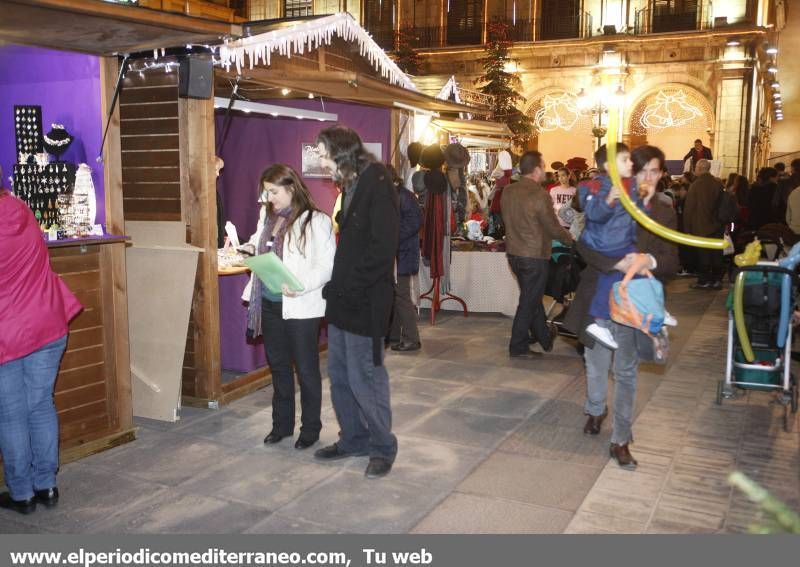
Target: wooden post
point(199, 213)
point(118, 355)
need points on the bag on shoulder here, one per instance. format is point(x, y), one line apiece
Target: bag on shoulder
point(727, 209)
point(638, 303)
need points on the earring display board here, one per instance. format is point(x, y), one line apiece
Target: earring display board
point(28, 129)
point(43, 188)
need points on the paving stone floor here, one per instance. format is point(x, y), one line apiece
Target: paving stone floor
point(487, 445)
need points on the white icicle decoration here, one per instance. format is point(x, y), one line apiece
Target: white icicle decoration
point(307, 36)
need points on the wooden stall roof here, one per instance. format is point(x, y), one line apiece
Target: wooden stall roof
point(331, 56)
point(339, 85)
point(102, 28)
point(481, 128)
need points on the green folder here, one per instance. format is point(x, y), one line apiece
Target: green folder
point(272, 271)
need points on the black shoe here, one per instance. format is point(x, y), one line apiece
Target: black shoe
point(273, 438)
point(403, 346)
point(48, 497)
point(304, 443)
point(22, 506)
point(378, 467)
point(334, 453)
point(528, 354)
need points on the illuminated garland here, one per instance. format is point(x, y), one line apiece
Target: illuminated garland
point(669, 110)
point(557, 112)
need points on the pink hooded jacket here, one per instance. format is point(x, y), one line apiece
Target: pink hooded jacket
point(35, 305)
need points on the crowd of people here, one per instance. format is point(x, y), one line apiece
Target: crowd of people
point(357, 273)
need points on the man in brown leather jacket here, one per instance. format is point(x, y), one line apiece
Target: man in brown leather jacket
point(531, 225)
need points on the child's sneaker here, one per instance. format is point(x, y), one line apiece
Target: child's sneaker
point(669, 320)
point(602, 336)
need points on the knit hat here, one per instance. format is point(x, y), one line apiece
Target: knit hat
point(414, 151)
point(456, 156)
point(432, 157)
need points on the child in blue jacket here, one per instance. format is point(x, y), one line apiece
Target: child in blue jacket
point(610, 230)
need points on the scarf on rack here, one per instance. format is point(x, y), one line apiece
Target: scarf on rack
point(271, 240)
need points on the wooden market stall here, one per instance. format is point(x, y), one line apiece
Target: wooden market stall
point(93, 389)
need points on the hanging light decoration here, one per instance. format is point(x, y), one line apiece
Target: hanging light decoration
point(669, 110)
point(557, 112)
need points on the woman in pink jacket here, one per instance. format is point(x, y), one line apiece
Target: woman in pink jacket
point(35, 308)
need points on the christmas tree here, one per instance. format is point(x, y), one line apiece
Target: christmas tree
point(502, 85)
point(406, 56)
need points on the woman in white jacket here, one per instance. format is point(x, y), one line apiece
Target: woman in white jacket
point(302, 236)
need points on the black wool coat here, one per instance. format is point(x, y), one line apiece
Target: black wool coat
point(360, 293)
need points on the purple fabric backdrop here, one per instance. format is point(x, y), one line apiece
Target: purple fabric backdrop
point(67, 87)
point(253, 143)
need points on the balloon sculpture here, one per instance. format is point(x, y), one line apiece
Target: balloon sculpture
point(638, 215)
point(749, 257)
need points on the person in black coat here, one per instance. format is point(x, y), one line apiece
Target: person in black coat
point(359, 301)
point(404, 335)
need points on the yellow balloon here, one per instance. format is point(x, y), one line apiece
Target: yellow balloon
point(751, 254)
point(639, 215)
point(738, 317)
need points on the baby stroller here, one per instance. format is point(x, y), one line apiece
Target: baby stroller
point(769, 333)
point(562, 281)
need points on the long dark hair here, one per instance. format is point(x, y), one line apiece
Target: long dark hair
point(345, 148)
point(286, 177)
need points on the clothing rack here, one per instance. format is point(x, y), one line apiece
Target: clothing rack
point(434, 296)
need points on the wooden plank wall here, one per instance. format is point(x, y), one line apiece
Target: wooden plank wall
point(84, 395)
point(151, 187)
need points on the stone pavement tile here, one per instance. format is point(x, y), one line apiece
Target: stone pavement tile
point(492, 401)
point(88, 495)
point(544, 382)
point(463, 428)
point(652, 464)
point(434, 347)
point(259, 479)
point(279, 524)
point(554, 484)
point(353, 503)
point(704, 440)
point(9, 524)
point(706, 460)
point(422, 391)
point(187, 414)
point(697, 483)
point(179, 513)
point(624, 494)
point(450, 371)
point(433, 463)
point(555, 443)
point(118, 458)
point(591, 523)
point(470, 514)
point(260, 399)
point(704, 504)
point(635, 484)
point(562, 413)
point(221, 420)
point(669, 520)
point(398, 363)
point(169, 462)
point(405, 416)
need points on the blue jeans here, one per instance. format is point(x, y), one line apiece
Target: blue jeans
point(626, 365)
point(360, 395)
point(28, 420)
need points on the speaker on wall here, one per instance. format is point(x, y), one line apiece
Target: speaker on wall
point(196, 77)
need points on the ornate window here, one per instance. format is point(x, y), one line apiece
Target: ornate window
point(298, 8)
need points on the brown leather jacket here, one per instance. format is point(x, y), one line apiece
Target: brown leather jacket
point(530, 220)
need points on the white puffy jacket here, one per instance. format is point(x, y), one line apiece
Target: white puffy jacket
point(313, 268)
